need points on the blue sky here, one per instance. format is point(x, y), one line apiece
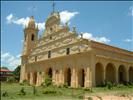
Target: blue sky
point(108, 22)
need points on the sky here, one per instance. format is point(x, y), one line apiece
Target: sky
point(109, 22)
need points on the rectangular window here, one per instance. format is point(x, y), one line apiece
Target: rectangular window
point(35, 58)
point(68, 51)
point(49, 54)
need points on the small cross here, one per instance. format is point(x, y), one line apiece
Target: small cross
point(53, 5)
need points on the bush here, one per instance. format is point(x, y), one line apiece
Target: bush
point(11, 79)
point(34, 90)
point(65, 85)
point(22, 92)
point(48, 81)
point(81, 97)
point(87, 89)
point(90, 98)
point(4, 94)
point(109, 85)
point(25, 82)
point(51, 90)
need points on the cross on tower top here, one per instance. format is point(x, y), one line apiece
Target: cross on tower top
point(53, 5)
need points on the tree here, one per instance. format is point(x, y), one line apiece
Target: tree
point(4, 68)
point(16, 73)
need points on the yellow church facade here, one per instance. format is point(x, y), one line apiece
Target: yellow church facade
point(69, 59)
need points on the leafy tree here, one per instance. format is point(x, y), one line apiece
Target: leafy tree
point(16, 73)
point(4, 68)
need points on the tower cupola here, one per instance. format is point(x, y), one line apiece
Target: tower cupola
point(31, 23)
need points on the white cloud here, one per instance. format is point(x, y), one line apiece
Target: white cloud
point(10, 60)
point(66, 16)
point(11, 19)
point(91, 37)
point(130, 13)
point(128, 40)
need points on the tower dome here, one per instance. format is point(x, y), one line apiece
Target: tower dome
point(54, 18)
point(31, 23)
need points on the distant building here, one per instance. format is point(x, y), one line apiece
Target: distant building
point(68, 58)
point(4, 74)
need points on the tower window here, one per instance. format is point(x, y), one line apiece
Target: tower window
point(68, 51)
point(35, 58)
point(51, 29)
point(32, 37)
point(49, 54)
point(50, 37)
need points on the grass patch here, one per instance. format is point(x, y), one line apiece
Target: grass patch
point(11, 91)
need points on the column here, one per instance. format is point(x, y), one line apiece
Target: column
point(38, 83)
point(54, 77)
point(43, 77)
point(92, 71)
point(127, 75)
point(87, 77)
point(73, 78)
point(31, 78)
point(117, 74)
point(61, 81)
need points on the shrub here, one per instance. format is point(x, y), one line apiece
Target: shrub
point(22, 92)
point(87, 89)
point(65, 85)
point(11, 79)
point(25, 82)
point(81, 97)
point(90, 98)
point(51, 90)
point(4, 94)
point(48, 81)
point(34, 90)
point(109, 85)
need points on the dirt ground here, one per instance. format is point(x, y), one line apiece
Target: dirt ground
point(108, 97)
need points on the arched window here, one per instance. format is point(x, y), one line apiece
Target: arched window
point(35, 58)
point(49, 54)
point(32, 37)
point(68, 51)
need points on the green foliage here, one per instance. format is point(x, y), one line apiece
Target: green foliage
point(4, 94)
point(11, 79)
point(65, 85)
point(87, 89)
point(109, 85)
point(25, 82)
point(90, 98)
point(34, 90)
point(51, 90)
point(48, 81)
point(16, 73)
point(4, 68)
point(81, 97)
point(22, 91)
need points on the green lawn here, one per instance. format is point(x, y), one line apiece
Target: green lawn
point(13, 91)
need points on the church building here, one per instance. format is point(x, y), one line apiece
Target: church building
point(69, 59)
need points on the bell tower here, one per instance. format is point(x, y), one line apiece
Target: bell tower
point(30, 36)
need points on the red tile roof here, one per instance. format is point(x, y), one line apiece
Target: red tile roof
point(5, 70)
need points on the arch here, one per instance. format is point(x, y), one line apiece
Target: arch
point(81, 77)
point(99, 74)
point(34, 78)
point(68, 76)
point(121, 74)
point(131, 74)
point(32, 37)
point(50, 73)
point(110, 73)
